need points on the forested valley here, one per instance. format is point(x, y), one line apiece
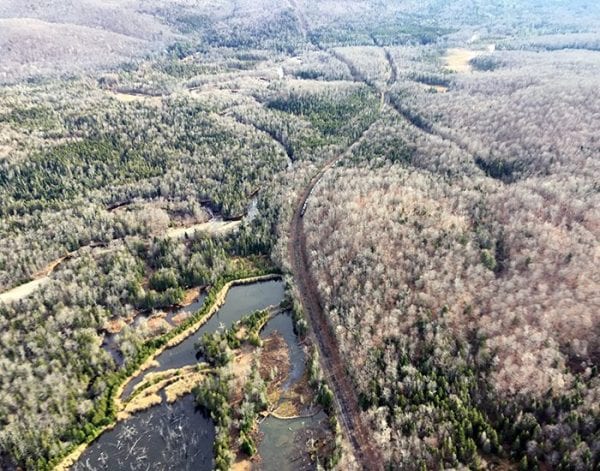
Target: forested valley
point(443, 158)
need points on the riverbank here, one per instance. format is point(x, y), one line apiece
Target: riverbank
point(219, 300)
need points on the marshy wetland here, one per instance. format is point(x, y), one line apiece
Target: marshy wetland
point(161, 425)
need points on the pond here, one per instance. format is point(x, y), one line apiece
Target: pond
point(285, 442)
point(175, 436)
point(110, 342)
point(167, 437)
point(179, 436)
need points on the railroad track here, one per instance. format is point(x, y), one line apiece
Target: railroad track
point(338, 378)
point(333, 366)
point(358, 434)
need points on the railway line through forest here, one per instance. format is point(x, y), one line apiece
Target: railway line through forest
point(333, 366)
point(357, 432)
point(336, 374)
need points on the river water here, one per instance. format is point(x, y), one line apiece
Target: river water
point(179, 436)
point(176, 436)
point(285, 442)
point(283, 324)
point(240, 301)
point(167, 437)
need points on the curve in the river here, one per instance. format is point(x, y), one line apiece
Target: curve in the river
point(239, 301)
point(176, 436)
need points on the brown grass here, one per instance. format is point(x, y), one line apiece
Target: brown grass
point(241, 465)
point(184, 385)
point(158, 325)
point(180, 318)
point(240, 369)
point(296, 401)
point(114, 326)
point(211, 227)
point(140, 403)
point(176, 383)
point(50, 267)
point(458, 59)
point(274, 359)
point(190, 296)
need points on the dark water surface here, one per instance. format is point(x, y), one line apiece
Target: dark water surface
point(191, 308)
point(284, 443)
point(240, 301)
point(165, 437)
point(284, 324)
point(111, 346)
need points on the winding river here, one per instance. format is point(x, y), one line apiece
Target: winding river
point(240, 300)
point(178, 436)
point(283, 446)
point(175, 436)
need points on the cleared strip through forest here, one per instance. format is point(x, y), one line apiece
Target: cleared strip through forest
point(413, 118)
point(336, 374)
point(333, 366)
point(42, 277)
point(388, 56)
point(277, 139)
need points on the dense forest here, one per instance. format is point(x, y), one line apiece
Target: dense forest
point(454, 244)
point(457, 255)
